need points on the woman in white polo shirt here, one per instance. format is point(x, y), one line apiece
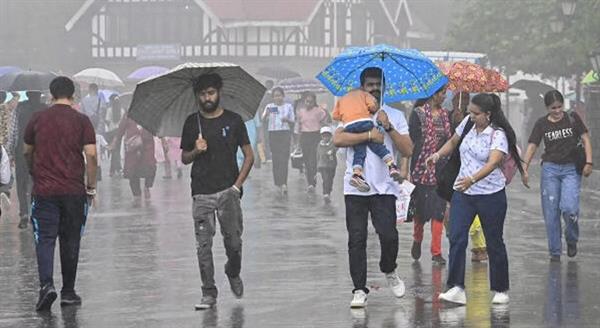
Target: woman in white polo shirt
point(479, 190)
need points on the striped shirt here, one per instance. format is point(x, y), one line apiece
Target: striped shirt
point(276, 114)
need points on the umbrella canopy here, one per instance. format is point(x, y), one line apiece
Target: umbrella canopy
point(465, 76)
point(9, 69)
point(591, 77)
point(100, 76)
point(495, 81)
point(408, 73)
point(532, 86)
point(26, 80)
point(300, 85)
point(277, 72)
point(162, 103)
point(143, 73)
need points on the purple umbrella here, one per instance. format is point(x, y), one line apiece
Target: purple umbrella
point(9, 69)
point(146, 72)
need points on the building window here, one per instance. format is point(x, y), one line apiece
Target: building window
point(327, 24)
point(348, 24)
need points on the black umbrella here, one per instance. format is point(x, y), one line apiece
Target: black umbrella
point(277, 72)
point(532, 86)
point(27, 80)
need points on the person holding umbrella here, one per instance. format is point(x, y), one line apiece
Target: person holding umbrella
point(279, 117)
point(210, 140)
point(380, 201)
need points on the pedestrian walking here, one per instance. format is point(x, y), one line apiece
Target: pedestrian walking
point(354, 110)
point(114, 115)
point(140, 162)
point(56, 140)
point(5, 172)
point(487, 138)
point(311, 118)
point(279, 116)
point(460, 101)
point(210, 140)
point(561, 179)
point(429, 127)
point(7, 129)
point(327, 161)
point(380, 201)
point(172, 157)
point(94, 106)
point(25, 111)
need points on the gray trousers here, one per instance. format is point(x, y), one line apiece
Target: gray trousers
point(224, 206)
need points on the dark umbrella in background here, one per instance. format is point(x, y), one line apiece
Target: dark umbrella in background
point(532, 86)
point(26, 80)
point(161, 104)
point(300, 85)
point(277, 72)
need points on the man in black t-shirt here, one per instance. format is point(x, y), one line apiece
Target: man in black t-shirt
point(210, 140)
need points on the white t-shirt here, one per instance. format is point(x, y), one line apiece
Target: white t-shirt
point(4, 167)
point(375, 170)
point(474, 154)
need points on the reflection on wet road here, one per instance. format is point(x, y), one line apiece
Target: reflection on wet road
point(138, 268)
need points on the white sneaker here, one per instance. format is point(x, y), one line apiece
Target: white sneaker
point(500, 298)
point(395, 283)
point(4, 200)
point(359, 300)
point(454, 295)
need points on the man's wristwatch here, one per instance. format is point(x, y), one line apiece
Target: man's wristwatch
point(473, 181)
point(389, 129)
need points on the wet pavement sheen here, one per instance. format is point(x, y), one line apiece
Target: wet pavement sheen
point(138, 268)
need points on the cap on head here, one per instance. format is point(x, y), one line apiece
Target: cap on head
point(326, 129)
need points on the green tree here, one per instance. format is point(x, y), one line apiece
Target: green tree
point(516, 34)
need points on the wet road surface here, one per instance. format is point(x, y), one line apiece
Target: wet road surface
point(138, 268)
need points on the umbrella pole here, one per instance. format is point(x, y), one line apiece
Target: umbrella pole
point(460, 101)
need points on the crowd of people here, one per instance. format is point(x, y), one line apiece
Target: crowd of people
point(382, 149)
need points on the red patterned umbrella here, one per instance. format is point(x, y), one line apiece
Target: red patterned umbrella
point(464, 76)
point(495, 81)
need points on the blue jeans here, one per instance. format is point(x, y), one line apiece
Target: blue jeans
point(360, 150)
point(492, 212)
point(560, 185)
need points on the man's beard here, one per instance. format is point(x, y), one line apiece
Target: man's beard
point(376, 94)
point(209, 106)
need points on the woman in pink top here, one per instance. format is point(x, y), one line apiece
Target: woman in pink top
point(309, 121)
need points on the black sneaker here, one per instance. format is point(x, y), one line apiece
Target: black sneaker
point(237, 286)
point(571, 249)
point(415, 250)
point(23, 222)
point(47, 297)
point(438, 259)
point(555, 258)
point(69, 298)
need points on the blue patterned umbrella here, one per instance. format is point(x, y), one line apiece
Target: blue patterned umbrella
point(409, 74)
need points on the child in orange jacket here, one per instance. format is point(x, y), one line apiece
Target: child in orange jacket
point(355, 111)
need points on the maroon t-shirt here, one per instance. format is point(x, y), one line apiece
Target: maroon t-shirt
point(58, 135)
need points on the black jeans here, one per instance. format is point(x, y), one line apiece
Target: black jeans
point(383, 215)
point(280, 152)
point(327, 175)
point(135, 184)
point(63, 217)
point(24, 185)
point(309, 141)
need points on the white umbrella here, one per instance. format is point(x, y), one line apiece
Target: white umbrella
point(99, 76)
point(161, 104)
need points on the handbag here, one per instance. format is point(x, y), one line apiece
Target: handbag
point(447, 175)
point(297, 159)
point(134, 143)
point(578, 153)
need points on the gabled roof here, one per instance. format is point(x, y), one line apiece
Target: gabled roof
point(90, 3)
point(231, 13)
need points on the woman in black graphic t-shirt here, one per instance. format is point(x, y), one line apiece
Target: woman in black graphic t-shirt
point(560, 182)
